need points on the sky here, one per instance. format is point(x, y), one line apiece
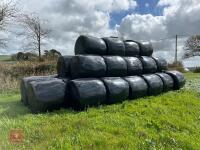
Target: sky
point(157, 21)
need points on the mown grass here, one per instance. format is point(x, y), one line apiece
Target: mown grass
point(167, 121)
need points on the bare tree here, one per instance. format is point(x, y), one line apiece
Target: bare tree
point(34, 32)
point(192, 46)
point(8, 11)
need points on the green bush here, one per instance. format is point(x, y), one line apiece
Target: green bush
point(28, 68)
point(176, 66)
point(197, 70)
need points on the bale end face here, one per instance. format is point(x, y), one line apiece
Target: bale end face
point(46, 95)
point(63, 66)
point(24, 85)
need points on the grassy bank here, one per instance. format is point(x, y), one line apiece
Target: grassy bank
point(167, 121)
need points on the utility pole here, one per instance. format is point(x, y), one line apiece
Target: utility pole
point(176, 45)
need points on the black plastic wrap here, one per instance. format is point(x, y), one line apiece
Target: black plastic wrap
point(168, 82)
point(161, 63)
point(87, 66)
point(86, 44)
point(146, 48)
point(115, 46)
point(134, 66)
point(63, 66)
point(46, 95)
point(131, 48)
point(117, 89)
point(149, 64)
point(138, 86)
point(116, 66)
point(86, 92)
point(178, 77)
point(24, 85)
point(155, 84)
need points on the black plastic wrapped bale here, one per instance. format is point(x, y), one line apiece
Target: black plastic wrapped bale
point(137, 87)
point(117, 89)
point(63, 66)
point(46, 95)
point(146, 48)
point(134, 66)
point(115, 46)
point(178, 77)
point(24, 85)
point(131, 48)
point(161, 63)
point(168, 82)
point(149, 64)
point(90, 45)
point(86, 92)
point(87, 66)
point(116, 66)
point(155, 84)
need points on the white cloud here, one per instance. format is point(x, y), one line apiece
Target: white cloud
point(70, 18)
point(146, 4)
point(179, 17)
point(142, 27)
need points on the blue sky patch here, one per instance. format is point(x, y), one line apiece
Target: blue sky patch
point(143, 7)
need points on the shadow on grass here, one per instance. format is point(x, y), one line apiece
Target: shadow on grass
point(13, 109)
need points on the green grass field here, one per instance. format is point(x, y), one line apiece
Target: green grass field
point(5, 58)
point(167, 121)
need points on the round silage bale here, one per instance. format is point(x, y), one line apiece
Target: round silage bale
point(117, 89)
point(138, 86)
point(86, 92)
point(178, 77)
point(115, 46)
point(131, 48)
point(161, 63)
point(146, 48)
point(24, 85)
point(155, 84)
point(86, 44)
point(149, 64)
point(63, 66)
point(46, 95)
point(84, 66)
point(168, 82)
point(116, 66)
point(134, 66)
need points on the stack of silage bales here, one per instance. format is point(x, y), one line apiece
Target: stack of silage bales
point(103, 71)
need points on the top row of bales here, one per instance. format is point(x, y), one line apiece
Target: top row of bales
point(111, 46)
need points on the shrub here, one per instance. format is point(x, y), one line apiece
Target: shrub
point(197, 70)
point(28, 68)
point(176, 66)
